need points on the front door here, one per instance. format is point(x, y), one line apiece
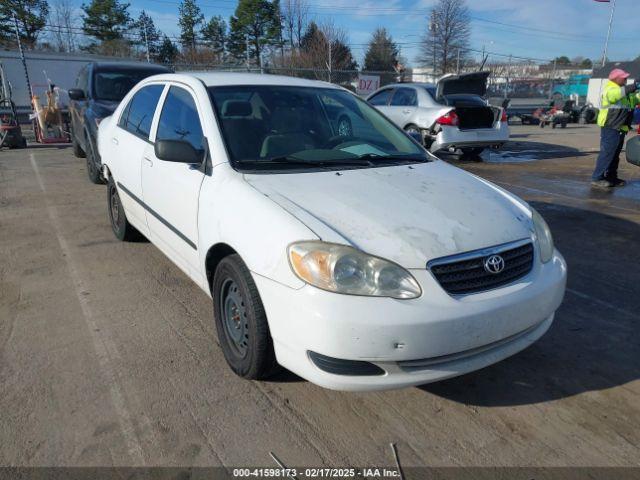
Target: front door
point(402, 106)
point(171, 190)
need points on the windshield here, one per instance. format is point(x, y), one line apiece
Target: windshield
point(268, 127)
point(113, 86)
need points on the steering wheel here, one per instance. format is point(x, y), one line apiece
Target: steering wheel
point(336, 140)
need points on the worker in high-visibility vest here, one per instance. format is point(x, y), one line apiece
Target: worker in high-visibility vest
point(619, 99)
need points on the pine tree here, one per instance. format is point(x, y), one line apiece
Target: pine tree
point(148, 33)
point(31, 16)
point(257, 20)
point(106, 20)
point(382, 53)
point(214, 34)
point(167, 52)
point(190, 21)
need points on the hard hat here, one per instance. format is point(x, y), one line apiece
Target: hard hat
point(618, 73)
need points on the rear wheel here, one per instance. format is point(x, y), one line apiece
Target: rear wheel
point(241, 322)
point(121, 227)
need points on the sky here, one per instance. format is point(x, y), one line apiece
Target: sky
point(540, 29)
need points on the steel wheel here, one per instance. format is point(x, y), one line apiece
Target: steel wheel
point(114, 206)
point(234, 312)
point(344, 127)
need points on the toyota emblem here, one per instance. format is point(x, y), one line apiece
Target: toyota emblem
point(494, 264)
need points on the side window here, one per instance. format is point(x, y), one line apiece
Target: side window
point(138, 114)
point(179, 119)
point(381, 98)
point(405, 97)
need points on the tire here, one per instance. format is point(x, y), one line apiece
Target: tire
point(121, 227)
point(473, 151)
point(93, 172)
point(241, 322)
point(472, 154)
point(77, 149)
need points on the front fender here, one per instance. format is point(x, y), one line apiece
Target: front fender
point(259, 230)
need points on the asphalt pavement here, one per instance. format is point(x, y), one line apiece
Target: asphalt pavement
point(108, 354)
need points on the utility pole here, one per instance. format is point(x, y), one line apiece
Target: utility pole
point(553, 78)
point(506, 83)
point(606, 43)
point(330, 61)
point(247, 49)
point(458, 62)
point(24, 61)
point(146, 40)
point(433, 27)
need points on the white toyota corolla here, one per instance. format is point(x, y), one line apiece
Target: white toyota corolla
point(352, 257)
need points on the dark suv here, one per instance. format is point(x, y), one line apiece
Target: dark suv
point(99, 88)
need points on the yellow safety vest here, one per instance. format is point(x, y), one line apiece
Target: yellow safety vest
point(617, 107)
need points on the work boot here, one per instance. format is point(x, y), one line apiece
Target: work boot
point(602, 183)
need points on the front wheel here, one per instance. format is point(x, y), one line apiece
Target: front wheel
point(93, 171)
point(78, 152)
point(121, 227)
point(241, 322)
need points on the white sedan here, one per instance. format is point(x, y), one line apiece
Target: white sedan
point(449, 116)
point(351, 257)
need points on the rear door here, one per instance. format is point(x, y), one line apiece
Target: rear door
point(381, 99)
point(403, 105)
point(171, 190)
point(127, 146)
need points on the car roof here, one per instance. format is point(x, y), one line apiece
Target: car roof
point(411, 84)
point(216, 79)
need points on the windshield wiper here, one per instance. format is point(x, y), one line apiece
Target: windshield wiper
point(289, 160)
point(375, 158)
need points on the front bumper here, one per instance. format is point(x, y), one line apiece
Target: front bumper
point(451, 138)
point(405, 337)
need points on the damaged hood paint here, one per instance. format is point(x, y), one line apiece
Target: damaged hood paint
point(407, 214)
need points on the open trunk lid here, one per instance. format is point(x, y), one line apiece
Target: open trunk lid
point(470, 83)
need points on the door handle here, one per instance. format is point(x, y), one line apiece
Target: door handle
point(148, 160)
point(114, 140)
point(406, 111)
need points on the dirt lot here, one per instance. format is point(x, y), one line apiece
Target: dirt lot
point(108, 354)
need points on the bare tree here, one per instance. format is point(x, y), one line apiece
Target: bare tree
point(446, 41)
point(295, 14)
point(64, 25)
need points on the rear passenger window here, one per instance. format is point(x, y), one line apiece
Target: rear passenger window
point(138, 114)
point(405, 97)
point(381, 98)
point(179, 119)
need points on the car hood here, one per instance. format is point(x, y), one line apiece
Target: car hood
point(470, 83)
point(407, 214)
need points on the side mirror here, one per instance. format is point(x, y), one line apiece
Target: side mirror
point(177, 151)
point(76, 94)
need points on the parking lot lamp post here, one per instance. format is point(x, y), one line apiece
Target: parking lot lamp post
point(146, 39)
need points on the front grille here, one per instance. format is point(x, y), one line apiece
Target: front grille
point(466, 273)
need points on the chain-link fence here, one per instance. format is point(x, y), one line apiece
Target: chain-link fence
point(521, 82)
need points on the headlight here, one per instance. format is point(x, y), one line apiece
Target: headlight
point(543, 236)
point(343, 269)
